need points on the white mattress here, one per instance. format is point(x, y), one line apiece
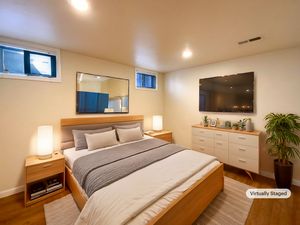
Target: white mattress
point(154, 208)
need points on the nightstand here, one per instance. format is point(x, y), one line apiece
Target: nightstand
point(163, 135)
point(37, 170)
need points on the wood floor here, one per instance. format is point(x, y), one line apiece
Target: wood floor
point(263, 211)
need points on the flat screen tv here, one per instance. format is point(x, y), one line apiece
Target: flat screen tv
point(230, 93)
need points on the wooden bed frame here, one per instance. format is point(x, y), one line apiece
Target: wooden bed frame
point(182, 211)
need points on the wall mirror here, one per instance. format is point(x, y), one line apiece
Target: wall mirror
point(101, 94)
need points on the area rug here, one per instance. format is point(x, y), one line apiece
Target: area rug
point(230, 207)
point(63, 211)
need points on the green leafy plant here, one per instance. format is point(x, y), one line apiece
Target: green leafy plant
point(280, 129)
point(242, 123)
point(205, 119)
point(235, 125)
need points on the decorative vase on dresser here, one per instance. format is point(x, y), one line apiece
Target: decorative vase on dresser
point(236, 148)
point(249, 125)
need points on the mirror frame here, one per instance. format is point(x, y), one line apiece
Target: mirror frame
point(79, 113)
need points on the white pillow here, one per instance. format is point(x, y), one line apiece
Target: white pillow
point(126, 135)
point(101, 140)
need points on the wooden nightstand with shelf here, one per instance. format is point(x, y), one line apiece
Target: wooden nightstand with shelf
point(163, 135)
point(37, 170)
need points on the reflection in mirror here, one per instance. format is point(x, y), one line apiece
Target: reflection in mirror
point(101, 94)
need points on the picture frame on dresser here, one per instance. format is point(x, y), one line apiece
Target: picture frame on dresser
point(213, 123)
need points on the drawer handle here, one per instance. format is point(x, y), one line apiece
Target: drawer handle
point(201, 140)
point(219, 143)
point(201, 148)
point(242, 149)
point(163, 136)
point(242, 138)
point(219, 134)
point(241, 160)
point(47, 165)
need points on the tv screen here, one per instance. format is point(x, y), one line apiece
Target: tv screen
point(232, 93)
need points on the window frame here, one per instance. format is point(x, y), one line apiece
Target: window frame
point(35, 48)
point(148, 72)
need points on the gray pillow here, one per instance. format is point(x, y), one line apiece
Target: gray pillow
point(128, 127)
point(79, 138)
point(101, 140)
point(127, 135)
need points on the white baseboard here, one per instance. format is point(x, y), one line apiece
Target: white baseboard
point(272, 176)
point(11, 191)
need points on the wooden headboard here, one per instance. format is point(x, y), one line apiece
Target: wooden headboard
point(93, 123)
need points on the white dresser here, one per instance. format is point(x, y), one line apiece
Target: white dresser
point(236, 148)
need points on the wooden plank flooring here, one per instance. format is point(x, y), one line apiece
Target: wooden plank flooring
point(268, 211)
point(13, 212)
point(263, 211)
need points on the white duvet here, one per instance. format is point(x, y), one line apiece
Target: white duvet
point(139, 197)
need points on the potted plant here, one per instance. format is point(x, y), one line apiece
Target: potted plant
point(280, 129)
point(235, 126)
point(242, 124)
point(205, 121)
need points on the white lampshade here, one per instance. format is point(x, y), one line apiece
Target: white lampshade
point(157, 123)
point(45, 142)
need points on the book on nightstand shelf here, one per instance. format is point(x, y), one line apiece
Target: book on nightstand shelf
point(45, 187)
point(37, 190)
point(53, 184)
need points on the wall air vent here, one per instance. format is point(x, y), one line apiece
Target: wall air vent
point(249, 40)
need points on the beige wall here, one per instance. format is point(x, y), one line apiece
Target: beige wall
point(277, 83)
point(25, 105)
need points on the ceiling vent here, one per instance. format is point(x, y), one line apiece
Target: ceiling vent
point(249, 40)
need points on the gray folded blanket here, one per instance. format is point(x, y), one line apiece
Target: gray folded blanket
point(102, 168)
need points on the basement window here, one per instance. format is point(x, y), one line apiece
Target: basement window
point(20, 60)
point(145, 79)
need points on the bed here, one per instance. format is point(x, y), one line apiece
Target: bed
point(185, 201)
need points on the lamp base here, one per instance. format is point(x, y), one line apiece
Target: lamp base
point(157, 131)
point(45, 156)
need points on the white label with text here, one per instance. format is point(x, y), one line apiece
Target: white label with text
point(268, 193)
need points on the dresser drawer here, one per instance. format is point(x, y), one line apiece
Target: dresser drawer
point(203, 132)
point(221, 135)
point(249, 140)
point(244, 151)
point(203, 141)
point(222, 155)
point(244, 163)
point(203, 149)
point(45, 166)
point(220, 144)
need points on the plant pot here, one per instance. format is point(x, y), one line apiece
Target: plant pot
point(283, 174)
point(205, 124)
point(241, 128)
point(235, 127)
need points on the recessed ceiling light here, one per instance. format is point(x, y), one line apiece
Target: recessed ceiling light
point(98, 77)
point(80, 4)
point(187, 54)
point(247, 90)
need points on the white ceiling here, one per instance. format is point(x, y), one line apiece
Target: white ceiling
point(153, 34)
